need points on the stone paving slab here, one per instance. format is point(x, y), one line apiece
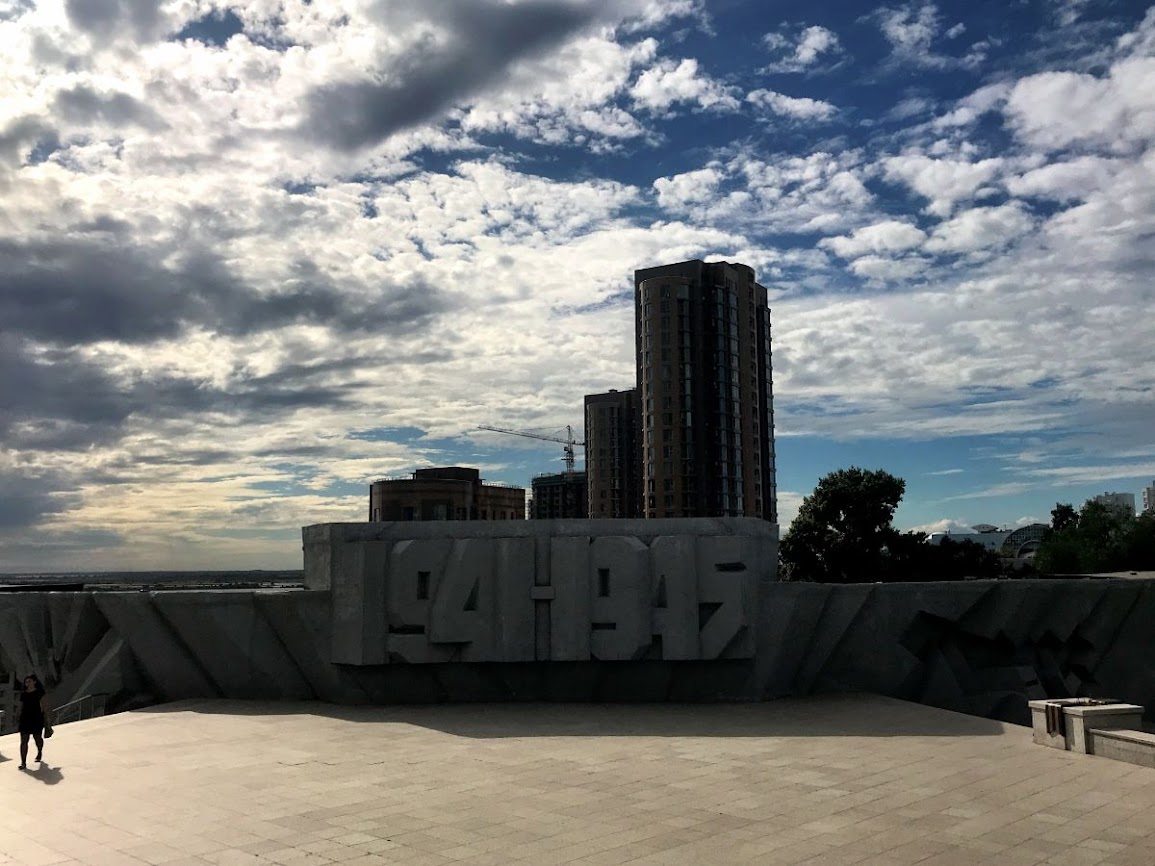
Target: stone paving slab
point(833, 780)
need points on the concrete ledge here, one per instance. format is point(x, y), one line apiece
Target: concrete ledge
point(1134, 747)
point(1081, 715)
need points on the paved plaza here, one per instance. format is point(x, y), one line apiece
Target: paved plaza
point(833, 780)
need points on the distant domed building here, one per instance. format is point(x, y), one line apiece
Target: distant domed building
point(1015, 544)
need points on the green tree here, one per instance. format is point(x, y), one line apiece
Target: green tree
point(843, 528)
point(1063, 517)
point(1097, 539)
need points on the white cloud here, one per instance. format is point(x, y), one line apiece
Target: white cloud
point(669, 83)
point(1058, 110)
point(883, 270)
point(247, 324)
point(689, 188)
point(945, 182)
point(811, 46)
point(972, 107)
point(1074, 180)
point(891, 236)
point(946, 524)
point(796, 108)
point(981, 228)
point(912, 31)
point(567, 97)
point(1069, 11)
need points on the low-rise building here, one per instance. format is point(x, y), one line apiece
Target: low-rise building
point(1123, 503)
point(446, 493)
point(1011, 543)
point(561, 495)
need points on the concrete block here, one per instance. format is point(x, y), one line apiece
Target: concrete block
point(357, 594)
point(1081, 719)
point(109, 669)
point(301, 622)
point(1134, 747)
point(790, 619)
point(838, 620)
point(1055, 738)
point(569, 613)
point(235, 646)
point(172, 671)
point(674, 613)
point(514, 567)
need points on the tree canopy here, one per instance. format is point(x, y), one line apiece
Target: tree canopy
point(843, 534)
point(843, 527)
point(1095, 539)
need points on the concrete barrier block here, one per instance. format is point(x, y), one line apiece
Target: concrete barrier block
point(173, 672)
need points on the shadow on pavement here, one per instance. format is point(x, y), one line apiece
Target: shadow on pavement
point(45, 773)
point(848, 715)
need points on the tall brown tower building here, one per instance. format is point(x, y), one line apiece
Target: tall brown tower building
point(705, 389)
point(613, 454)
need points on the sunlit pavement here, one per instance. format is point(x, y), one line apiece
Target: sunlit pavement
point(838, 780)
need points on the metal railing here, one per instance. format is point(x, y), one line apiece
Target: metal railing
point(84, 707)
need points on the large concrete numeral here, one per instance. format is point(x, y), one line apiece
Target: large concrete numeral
point(485, 599)
point(413, 576)
point(675, 597)
point(724, 597)
point(462, 606)
point(619, 585)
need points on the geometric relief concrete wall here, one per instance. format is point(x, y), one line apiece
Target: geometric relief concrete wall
point(982, 647)
point(396, 616)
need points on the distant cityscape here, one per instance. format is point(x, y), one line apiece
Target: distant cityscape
point(693, 437)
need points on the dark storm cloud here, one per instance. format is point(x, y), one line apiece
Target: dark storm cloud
point(108, 18)
point(59, 400)
point(27, 497)
point(484, 39)
point(59, 297)
point(84, 290)
point(82, 104)
point(53, 400)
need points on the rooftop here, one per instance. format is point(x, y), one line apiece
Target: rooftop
point(833, 780)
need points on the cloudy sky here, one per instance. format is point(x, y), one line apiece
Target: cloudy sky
point(254, 256)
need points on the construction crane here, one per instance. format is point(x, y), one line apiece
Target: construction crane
point(569, 442)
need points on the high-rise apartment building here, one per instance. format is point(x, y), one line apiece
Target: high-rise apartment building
point(613, 454)
point(705, 392)
point(1149, 499)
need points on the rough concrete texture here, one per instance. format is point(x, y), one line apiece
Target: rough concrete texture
point(983, 647)
point(1134, 747)
point(560, 591)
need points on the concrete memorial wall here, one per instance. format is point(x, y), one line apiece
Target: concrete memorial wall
point(563, 591)
point(683, 610)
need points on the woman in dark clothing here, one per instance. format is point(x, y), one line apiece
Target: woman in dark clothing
point(33, 718)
